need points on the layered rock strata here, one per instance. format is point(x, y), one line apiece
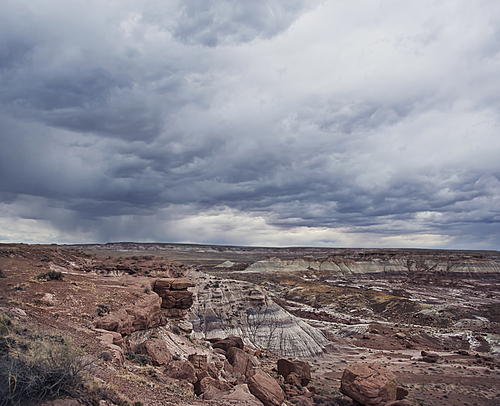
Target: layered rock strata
point(175, 298)
point(227, 307)
point(349, 268)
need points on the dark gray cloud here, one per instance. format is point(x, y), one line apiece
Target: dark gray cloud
point(284, 123)
point(228, 22)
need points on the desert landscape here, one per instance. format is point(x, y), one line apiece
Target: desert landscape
point(179, 324)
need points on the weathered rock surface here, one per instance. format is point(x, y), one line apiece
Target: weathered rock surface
point(226, 343)
point(429, 357)
point(265, 388)
point(144, 314)
point(241, 395)
point(180, 346)
point(203, 384)
point(110, 337)
point(369, 384)
point(459, 267)
point(174, 293)
point(181, 370)
point(198, 361)
point(157, 349)
point(300, 369)
point(239, 360)
point(227, 307)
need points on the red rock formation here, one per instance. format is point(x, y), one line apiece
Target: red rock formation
point(369, 384)
point(226, 343)
point(182, 371)
point(265, 388)
point(174, 293)
point(239, 360)
point(144, 314)
point(156, 349)
point(241, 395)
point(300, 369)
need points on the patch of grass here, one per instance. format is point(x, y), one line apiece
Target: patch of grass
point(140, 359)
point(95, 392)
point(36, 367)
point(50, 276)
point(21, 287)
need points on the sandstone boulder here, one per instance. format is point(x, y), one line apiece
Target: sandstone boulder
point(181, 284)
point(182, 371)
point(227, 343)
point(110, 337)
point(156, 349)
point(198, 361)
point(369, 384)
point(144, 314)
point(429, 357)
point(265, 388)
point(401, 393)
point(400, 403)
point(241, 395)
point(239, 360)
point(202, 385)
point(300, 368)
point(174, 293)
point(163, 285)
point(212, 393)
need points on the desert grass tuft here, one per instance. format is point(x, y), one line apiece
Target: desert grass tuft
point(38, 367)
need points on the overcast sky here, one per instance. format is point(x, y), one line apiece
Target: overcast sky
point(344, 123)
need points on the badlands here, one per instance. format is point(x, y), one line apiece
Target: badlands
point(175, 324)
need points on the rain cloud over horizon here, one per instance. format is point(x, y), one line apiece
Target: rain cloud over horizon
point(280, 122)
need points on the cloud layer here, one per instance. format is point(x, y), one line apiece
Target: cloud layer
point(367, 123)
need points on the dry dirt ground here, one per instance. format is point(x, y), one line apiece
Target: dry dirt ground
point(363, 321)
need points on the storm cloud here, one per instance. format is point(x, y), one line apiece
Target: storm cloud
point(362, 123)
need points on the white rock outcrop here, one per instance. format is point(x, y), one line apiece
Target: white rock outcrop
point(228, 307)
point(465, 268)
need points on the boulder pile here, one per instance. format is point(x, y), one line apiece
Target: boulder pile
point(169, 298)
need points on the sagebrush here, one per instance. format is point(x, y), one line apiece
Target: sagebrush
point(35, 367)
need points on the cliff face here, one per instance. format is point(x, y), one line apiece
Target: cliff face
point(349, 268)
point(228, 307)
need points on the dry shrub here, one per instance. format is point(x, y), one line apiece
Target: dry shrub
point(95, 392)
point(38, 367)
point(50, 276)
